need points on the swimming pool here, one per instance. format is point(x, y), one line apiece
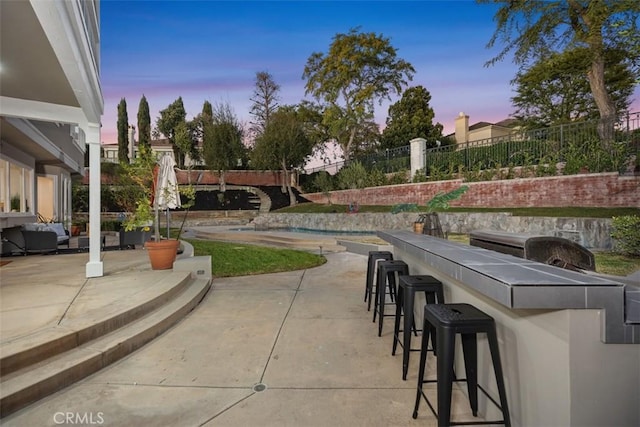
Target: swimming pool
point(311, 231)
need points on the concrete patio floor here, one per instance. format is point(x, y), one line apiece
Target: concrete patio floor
point(286, 349)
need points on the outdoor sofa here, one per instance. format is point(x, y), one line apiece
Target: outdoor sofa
point(44, 237)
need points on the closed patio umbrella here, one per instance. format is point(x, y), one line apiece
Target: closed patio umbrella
point(167, 194)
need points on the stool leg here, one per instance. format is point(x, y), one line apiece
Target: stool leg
point(430, 298)
point(380, 284)
point(408, 322)
point(396, 328)
point(370, 265)
point(392, 285)
point(446, 344)
point(497, 367)
point(423, 362)
point(470, 350)
point(382, 299)
point(391, 280)
point(372, 279)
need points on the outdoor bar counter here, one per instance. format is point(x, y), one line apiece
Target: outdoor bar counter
point(570, 356)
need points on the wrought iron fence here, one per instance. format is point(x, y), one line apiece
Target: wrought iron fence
point(552, 145)
point(389, 160)
point(567, 143)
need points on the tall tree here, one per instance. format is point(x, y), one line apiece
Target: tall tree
point(222, 141)
point(185, 138)
point(554, 91)
point(144, 123)
point(411, 117)
point(534, 28)
point(207, 110)
point(264, 102)
point(359, 69)
point(123, 132)
point(284, 145)
point(205, 124)
point(167, 123)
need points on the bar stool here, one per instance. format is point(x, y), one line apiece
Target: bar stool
point(374, 257)
point(466, 320)
point(387, 271)
point(408, 286)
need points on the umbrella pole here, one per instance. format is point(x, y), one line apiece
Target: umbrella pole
point(167, 222)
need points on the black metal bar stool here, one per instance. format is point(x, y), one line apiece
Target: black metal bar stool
point(407, 288)
point(466, 320)
point(374, 256)
point(387, 271)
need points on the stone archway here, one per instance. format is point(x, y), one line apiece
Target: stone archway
point(265, 200)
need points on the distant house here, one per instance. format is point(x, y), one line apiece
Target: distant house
point(482, 130)
point(159, 147)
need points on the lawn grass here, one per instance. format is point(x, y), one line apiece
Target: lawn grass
point(616, 264)
point(571, 212)
point(235, 259)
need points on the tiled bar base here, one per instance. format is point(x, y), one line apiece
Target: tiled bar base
point(568, 357)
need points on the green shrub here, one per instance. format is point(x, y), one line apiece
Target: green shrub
point(324, 183)
point(79, 197)
point(626, 232)
point(376, 178)
point(316, 182)
point(353, 176)
point(399, 177)
point(111, 225)
point(420, 176)
point(593, 156)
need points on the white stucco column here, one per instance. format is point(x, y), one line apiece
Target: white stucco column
point(418, 147)
point(94, 267)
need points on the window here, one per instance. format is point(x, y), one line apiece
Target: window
point(16, 187)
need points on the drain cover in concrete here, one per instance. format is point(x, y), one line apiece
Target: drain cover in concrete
point(259, 387)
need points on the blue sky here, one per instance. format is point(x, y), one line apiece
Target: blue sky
point(211, 50)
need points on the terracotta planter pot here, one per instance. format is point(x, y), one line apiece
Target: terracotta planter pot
point(162, 254)
point(75, 230)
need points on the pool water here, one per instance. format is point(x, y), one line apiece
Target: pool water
point(312, 231)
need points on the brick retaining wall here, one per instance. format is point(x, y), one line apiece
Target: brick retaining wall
point(237, 177)
point(588, 190)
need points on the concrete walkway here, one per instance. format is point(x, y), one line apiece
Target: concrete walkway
point(285, 349)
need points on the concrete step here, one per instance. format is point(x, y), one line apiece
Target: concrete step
point(21, 352)
point(62, 368)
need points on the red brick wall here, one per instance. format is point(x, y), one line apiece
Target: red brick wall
point(240, 177)
point(589, 190)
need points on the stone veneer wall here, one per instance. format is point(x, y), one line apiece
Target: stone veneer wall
point(592, 233)
point(587, 190)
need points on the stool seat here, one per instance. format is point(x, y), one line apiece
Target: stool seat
point(408, 286)
point(448, 320)
point(387, 271)
point(374, 258)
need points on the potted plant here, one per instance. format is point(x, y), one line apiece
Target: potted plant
point(429, 223)
point(139, 191)
point(77, 227)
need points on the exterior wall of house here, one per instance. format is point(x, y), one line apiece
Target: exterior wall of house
point(488, 132)
point(43, 126)
point(110, 153)
point(588, 190)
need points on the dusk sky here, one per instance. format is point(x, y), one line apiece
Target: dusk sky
point(211, 50)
